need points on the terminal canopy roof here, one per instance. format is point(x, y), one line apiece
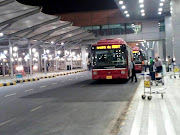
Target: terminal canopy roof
point(27, 23)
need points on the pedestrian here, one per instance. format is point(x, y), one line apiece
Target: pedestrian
point(89, 65)
point(158, 65)
point(133, 71)
point(169, 63)
point(151, 64)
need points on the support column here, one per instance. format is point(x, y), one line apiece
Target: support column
point(56, 59)
point(3, 66)
point(176, 30)
point(160, 50)
point(169, 41)
point(39, 61)
point(30, 57)
point(84, 57)
point(65, 59)
point(71, 59)
point(10, 56)
point(45, 70)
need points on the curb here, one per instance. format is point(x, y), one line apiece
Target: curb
point(7, 84)
point(36, 79)
point(27, 80)
point(62, 74)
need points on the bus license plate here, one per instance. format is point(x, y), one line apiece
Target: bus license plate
point(108, 77)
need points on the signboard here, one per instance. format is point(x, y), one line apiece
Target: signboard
point(108, 77)
point(176, 70)
point(135, 51)
point(147, 84)
point(19, 75)
point(108, 47)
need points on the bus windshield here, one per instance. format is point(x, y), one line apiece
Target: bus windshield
point(137, 58)
point(109, 59)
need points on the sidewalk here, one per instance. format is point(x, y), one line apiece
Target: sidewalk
point(157, 116)
point(7, 78)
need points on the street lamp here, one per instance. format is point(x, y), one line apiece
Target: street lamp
point(14, 54)
point(1, 34)
point(15, 48)
point(36, 54)
point(59, 52)
point(5, 51)
point(47, 51)
point(34, 50)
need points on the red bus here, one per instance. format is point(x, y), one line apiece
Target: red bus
point(111, 59)
point(137, 59)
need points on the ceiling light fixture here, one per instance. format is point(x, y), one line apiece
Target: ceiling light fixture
point(142, 5)
point(161, 4)
point(121, 2)
point(141, 1)
point(127, 15)
point(162, 0)
point(160, 9)
point(126, 12)
point(123, 7)
point(159, 13)
point(142, 10)
point(143, 14)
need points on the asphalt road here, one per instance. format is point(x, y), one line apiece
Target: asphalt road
point(67, 105)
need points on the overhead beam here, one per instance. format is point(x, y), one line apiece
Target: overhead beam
point(73, 45)
point(51, 31)
point(37, 43)
point(35, 26)
point(5, 27)
point(5, 2)
point(61, 35)
point(60, 40)
point(27, 34)
point(82, 38)
point(13, 20)
point(63, 45)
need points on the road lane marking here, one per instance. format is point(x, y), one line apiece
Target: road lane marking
point(36, 108)
point(43, 86)
point(10, 95)
point(53, 83)
point(1, 124)
point(29, 90)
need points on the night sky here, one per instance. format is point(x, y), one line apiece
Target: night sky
point(68, 6)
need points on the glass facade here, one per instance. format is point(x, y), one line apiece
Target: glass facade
point(161, 26)
point(133, 28)
point(115, 29)
point(119, 29)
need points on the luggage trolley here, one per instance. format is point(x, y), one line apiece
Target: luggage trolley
point(175, 72)
point(147, 85)
point(159, 78)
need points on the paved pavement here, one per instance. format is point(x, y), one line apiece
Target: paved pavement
point(65, 105)
point(158, 116)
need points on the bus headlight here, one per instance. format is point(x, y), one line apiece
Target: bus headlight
point(94, 73)
point(123, 72)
